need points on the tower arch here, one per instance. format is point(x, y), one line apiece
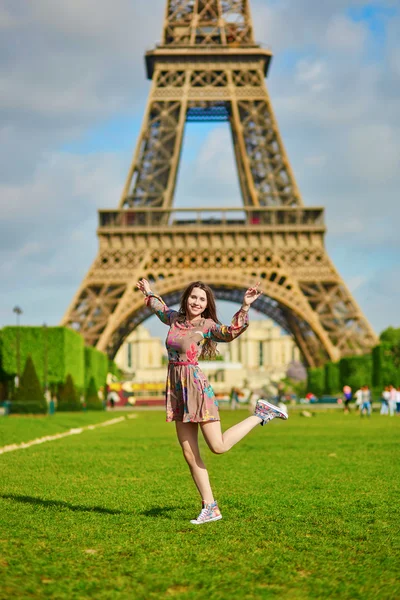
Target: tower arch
point(277, 303)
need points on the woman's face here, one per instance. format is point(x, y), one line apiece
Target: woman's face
point(196, 303)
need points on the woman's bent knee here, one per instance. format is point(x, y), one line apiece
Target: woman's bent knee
point(218, 449)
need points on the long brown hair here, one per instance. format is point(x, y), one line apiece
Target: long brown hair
point(209, 350)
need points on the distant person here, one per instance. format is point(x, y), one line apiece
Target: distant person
point(366, 401)
point(194, 331)
point(112, 398)
point(358, 397)
point(234, 397)
point(398, 400)
point(51, 407)
point(347, 398)
point(385, 401)
point(392, 400)
point(47, 395)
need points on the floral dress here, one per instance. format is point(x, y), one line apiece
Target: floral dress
point(189, 396)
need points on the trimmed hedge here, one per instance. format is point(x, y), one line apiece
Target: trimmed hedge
point(93, 401)
point(96, 367)
point(332, 378)
point(65, 352)
point(68, 399)
point(74, 360)
point(29, 398)
point(6, 380)
point(316, 381)
point(354, 371)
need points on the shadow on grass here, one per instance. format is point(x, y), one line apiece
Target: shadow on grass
point(61, 504)
point(159, 511)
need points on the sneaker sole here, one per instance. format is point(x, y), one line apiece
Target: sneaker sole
point(283, 415)
point(195, 522)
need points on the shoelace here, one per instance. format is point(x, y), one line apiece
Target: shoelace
point(265, 414)
point(204, 513)
point(266, 417)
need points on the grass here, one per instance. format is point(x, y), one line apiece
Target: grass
point(17, 429)
point(311, 510)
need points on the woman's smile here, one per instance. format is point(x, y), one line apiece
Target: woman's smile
point(197, 296)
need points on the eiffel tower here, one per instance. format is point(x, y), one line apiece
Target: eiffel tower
point(208, 67)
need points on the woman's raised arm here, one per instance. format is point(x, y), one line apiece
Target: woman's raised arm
point(156, 303)
point(225, 333)
point(240, 321)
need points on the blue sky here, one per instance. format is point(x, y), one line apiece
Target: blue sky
point(71, 110)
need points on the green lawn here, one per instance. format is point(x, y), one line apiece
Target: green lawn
point(310, 507)
point(17, 429)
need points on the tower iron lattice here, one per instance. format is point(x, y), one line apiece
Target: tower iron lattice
point(208, 67)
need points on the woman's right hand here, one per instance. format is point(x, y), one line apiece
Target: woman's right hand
point(144, 286)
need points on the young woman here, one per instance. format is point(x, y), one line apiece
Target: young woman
point(190, 401)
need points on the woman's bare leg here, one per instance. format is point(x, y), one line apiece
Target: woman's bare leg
point(219, 442)
point(188, 438)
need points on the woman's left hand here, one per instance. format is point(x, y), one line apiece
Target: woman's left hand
point(251, 295)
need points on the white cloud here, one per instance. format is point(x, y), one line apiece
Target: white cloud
point(30, 249)
point(298, 23)
point(354, 283)
point(378, 297)
point(6, 20)
point(373, 152)
point(340, 227)
point(80, 63)
point(313, 74)
point(395, 62)
point(309, 71)
point(345, 35)
point(41, 220)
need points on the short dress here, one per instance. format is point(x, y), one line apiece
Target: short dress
point(188, 396)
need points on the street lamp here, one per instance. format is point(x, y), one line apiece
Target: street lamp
point(18, 311)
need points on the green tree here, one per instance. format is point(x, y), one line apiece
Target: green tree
point(29, 398)
point(93, 401)
point(391, 335)
point(391, 339)
point(356, 371)
point(384, 371)
point(68, 400)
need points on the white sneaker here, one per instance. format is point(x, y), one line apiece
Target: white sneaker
point(209, 512)
point(267, 412)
